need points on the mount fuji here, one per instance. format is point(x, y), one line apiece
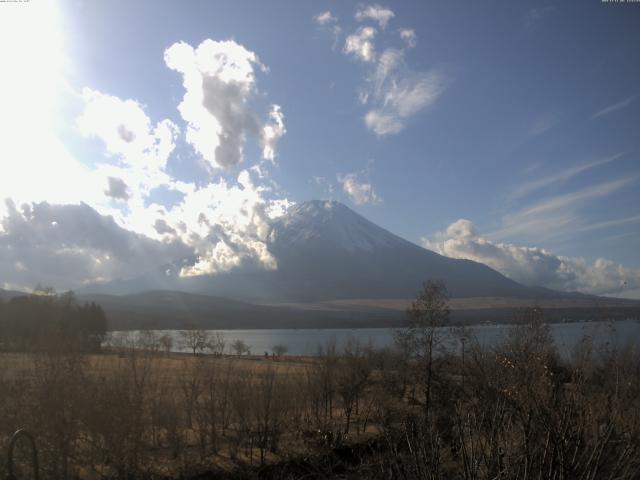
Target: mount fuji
point(326, 251)
point(335, 269)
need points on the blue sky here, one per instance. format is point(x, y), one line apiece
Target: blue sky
point(504, 132)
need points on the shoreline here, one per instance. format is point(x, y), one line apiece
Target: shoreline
point(378, 327)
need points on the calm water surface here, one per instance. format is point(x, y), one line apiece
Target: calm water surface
point(308, 341)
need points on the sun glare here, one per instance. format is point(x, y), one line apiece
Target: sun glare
point(31, 84)
point(32, 57)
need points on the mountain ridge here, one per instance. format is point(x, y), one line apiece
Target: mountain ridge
point(161, 309)
point(326, 251)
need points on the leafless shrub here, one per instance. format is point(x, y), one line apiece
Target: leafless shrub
point(279, 349)
point(517, 410)
point(240, 347)
point(217, 343)
point(195, 339)
point(166, 343)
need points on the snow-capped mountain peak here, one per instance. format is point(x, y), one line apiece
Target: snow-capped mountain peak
point(330, 223)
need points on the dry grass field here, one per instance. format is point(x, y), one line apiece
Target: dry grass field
point(472, 303)
point(513, 411)
point(106, 414)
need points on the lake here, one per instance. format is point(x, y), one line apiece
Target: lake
point(307, 341)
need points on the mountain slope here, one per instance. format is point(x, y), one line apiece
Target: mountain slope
point(325, 251)
point(7, 295)
point(330, 246)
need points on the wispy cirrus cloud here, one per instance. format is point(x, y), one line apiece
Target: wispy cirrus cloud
point(575, 198)
point(534, 15)
point(544, 123)
point(324, 184)
point(396, 93)
point(614, 107)
point(562, 176)
point(392, 92)
point(556, 215)
point(616, 222)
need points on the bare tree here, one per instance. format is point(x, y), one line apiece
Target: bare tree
point(322, 382)
point(429, 312)
point(280, 349)
point(353, 376)
point(217, 343)
point(148, 340)
point(239, 347)
point(195, 339)
point(166, 341)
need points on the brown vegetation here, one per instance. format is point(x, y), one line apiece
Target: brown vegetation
point(516, 411)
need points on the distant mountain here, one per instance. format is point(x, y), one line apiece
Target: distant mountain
point(9, 294)
point(160, 309)
point(335, 269)
point(326, 251)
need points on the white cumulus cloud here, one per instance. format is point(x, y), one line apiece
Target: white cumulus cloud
point(534, 265)
point(224, 224)
point(117, 189)
point(272, 131)
point(377, 13)
point(72, 245)
point(393, 92)
point(382, 123)
point(360, 191)
point(328, 21)
point(396, 93)
point(220, 85)
point(126, 130)
point(120, 231)
point(227, 225)
point(360, 44)
point(408, 35)
point(140, 148)
point(325, 18)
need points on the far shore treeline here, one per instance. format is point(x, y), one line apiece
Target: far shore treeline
point(45, 320)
